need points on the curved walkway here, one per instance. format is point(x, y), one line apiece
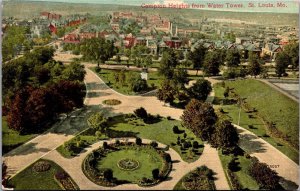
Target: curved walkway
point(209, 158)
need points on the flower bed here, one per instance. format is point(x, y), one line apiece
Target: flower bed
point(65, 181)
point(112, 102)
point(41, 166)
point(128, 164)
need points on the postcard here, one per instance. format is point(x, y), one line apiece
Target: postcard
point(150, 94)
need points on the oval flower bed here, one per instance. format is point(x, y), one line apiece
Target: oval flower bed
point(112, 102)
point(121, 163)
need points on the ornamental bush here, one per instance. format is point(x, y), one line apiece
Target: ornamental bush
point(41, 166)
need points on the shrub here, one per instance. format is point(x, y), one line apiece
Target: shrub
point(98, 134)
point(112, 102)
point(169, 118)
point(117, 142)
point(155, 173)
point(105, 145)
point(141, 113)
point(184, 135)
point(60, 175)
point(154, 144)
point(41, 166)
point(98, 69)
point(108, 174)
point(195, 144)
point(138, 141)
point(176, 129)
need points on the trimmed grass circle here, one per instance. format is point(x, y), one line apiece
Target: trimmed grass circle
point(128, 164)
point(112, 102)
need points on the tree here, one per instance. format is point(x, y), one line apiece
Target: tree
point(200, 90)
point(141, 113)
point(167, 64)
point(233, 58)
point(200, 118)
point(136, 83)
point(148, 61)
point(73, 72)
point(212, 63)
point(265, 177)
point(197, 57)
point(118, 59)
point(180, 77)
point(97, 49)
point(292, 50)
point(225, 135)
point(166, 92)
point(254, 68)
point(226, 92)
point(4, 174)
point(282, 62)
point(97, 121)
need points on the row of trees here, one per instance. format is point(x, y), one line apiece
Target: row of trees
point(37, 89)
point(202, 120)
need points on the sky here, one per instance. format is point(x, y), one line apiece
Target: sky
point(292, 5)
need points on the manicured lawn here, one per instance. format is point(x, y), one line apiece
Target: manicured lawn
point(148, 160)
point(12, 139)
point(28, 179)
point(245, 180)
point(161, 131)
point(108, 77)
point(87, 137)
point(232, 111)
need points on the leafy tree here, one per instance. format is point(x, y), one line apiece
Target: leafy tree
point(180, 77)
point(225, 135)
point(141, 113)
point(97, 121)
point(282, 62)
point(292, 50)
point(230, 36)
point(254, 68)
point(212, 63)
point(97, 49)
point(73, 72)
point(136, 83)
point(200, 90)
point(233, 58)
point(265, 177)
point(166, 92)
point(197, 57)
point(167, 64)
point(200, 118)
point(148, 61)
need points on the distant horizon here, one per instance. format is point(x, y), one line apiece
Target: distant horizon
point(292, 6)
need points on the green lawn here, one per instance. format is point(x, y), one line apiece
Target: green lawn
point(245, 180)
point(107, 76)
point(28, 179)
point(148, 160)
point(161, 131)
point(232, 111)
point(12, 139)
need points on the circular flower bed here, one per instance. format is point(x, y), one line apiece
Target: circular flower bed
point(41, 166)
point(112, 102)
point(128, 164)
point(110, 165)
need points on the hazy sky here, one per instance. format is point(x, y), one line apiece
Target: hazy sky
point(292, 6)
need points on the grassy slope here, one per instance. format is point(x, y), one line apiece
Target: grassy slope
point(243, 177)
point(148, 161)
point(28, 179)
point(12, 139)
point(273, 102)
